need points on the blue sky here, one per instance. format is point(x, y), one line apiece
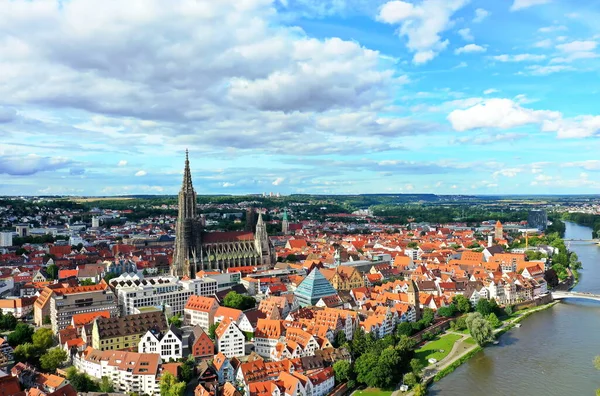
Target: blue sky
point(103, 97)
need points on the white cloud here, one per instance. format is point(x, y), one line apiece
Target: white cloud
point(122, 163)
point(589, 165)
point(140, 173)
point(543, 178)
point(227, 184)
point(547, 43)
point(506, 113)
point(490, 91)
point(521, 4)
point(577, 127)
point(507, 172)
point(422, 24)
point(539, 70)
point(553, 28)
point(469, 48)
point(577, 46)
point(497, 113)
point(480, 15)
point(518, 58)
point(466, 34)
point(278, 181)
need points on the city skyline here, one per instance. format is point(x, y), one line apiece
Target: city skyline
point(299, 96)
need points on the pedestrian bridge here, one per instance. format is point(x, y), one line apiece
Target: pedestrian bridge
point(566, 295)
point(583, 240)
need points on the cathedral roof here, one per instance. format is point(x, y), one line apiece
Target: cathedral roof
point(229, 236)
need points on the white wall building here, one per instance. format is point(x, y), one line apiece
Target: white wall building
point(129, 372)
point(151, 292)
point(168, 345)
point(230, 339)
point(6, 239)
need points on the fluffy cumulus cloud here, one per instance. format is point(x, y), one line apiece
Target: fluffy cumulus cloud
point(502, 113)
point(422, 23)
point(25, 165)
point(140, 173)
point(176, 64)
point(521, 4)
point(496, 113)
point(469, 48)
point(480, 15)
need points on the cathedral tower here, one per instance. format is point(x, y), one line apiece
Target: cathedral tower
point(188, 229)
point(285, 225)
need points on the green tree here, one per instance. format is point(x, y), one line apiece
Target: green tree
point(188, 369)
point(52, 271)
point(484, 307)
point(365, 367)
point(340, 339)
point(470, 318)
point(212, 329)
point(81, 381)
point(462, 303)
point(169, 386)
point(342, 371)
point(106, 385)
point(416, 366)
point(8, 321)
point(53, 359)
point(47, 320)
point(23, 333)
point(176, 320)
point(509, 310)
point(494, 321)
point(291, 258)
point(43, 338)
point(481, 330)
point(26, 352)
point(404, 328)
point(410, 379)
point(239, 301)
point(419, 390)
point(86, 282)
point(359, 343)
point(459, 324)
point(447, 311)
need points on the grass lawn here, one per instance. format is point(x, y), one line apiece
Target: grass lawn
point(373, 392)
point(470, 340)
point(432, 349)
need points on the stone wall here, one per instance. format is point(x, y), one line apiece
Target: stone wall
point(534, 303)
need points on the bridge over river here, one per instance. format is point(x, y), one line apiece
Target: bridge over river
point(558, 295)
point(583, 240)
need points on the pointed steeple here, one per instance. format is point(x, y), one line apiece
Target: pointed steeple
point(285, 218)
point(187, 174)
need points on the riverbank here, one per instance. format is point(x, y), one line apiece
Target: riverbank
point(463, 350)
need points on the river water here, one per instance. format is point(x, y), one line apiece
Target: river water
point(550, 354)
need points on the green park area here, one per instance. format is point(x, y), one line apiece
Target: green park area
point(373, 392)
point(434, 348)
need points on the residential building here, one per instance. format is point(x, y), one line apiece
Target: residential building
point(267, 335)
point(230, 339)
point(125, 332)
point(6, 239)
point(129, 372)
point(168, 344)
point(18, 307)
point(201, 345)
point(344, 278)
point(224, 369)
point(200, 311)
point(63, 302)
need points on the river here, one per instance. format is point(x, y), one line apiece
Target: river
point(550, 354)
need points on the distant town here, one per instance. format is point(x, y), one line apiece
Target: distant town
point(268, 295)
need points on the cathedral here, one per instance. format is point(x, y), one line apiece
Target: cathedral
point(196, 249)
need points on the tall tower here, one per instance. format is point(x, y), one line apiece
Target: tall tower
point(261, 240)
point(285, 225)
point(188, 228)
point(498, 232)
point(413, 297)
